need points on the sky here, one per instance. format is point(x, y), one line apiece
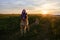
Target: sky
point(32, 6)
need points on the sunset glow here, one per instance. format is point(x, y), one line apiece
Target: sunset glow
point(44, 12)
point(34, 6)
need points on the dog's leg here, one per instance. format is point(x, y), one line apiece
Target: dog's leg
point(28, 27)
point(24, 29)
point(21, 30)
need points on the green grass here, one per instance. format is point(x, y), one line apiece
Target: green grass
point(10, 28)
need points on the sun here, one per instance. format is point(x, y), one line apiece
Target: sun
point(44, 12)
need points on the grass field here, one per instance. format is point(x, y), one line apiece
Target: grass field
point(47, 29)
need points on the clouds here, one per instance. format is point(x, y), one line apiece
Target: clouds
point(32, 5)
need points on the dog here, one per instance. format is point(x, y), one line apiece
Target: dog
point(24, 24)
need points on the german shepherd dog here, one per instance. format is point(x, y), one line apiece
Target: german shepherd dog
point(24, 25)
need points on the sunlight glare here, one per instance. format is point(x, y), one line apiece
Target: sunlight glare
point(44, 12)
